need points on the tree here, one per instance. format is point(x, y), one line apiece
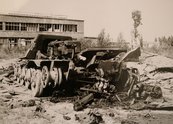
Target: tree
point(136, 16)
point(120, 38)
point(121, 41)
point(87, 43)
point(103, 39)
point(141, 41)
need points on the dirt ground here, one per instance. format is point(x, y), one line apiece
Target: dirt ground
point(22, 108)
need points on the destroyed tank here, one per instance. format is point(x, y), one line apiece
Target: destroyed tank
point(46, 64)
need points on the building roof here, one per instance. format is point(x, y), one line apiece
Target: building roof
point(56, 17)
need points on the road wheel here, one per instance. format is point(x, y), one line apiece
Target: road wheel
point(17, 80)
point(27, 84)
point(33, 73)
point(28, 78)
point(58, 76)
point(15, 71)
point(22, 76)
point(36, 85)
point(19, 71)
point(21, 81)
point(45, 76)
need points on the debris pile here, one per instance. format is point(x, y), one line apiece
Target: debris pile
point(92, 117)
point(40, 108)
point(66, 117)
point(20, 103)
point(89, 78)
point(129, 122)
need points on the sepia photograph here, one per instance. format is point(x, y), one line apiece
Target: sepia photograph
point(86, 61)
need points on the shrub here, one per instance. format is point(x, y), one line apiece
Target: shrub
point(14, 52)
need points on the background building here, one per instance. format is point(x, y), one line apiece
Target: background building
point(20, 29)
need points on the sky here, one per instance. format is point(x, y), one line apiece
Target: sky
point(112, 15)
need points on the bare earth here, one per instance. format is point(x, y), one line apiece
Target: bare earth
point(22, 108)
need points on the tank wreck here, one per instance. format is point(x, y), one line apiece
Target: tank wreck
point(55, 68)
point(57, 62)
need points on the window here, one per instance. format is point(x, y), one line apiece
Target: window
point(1, 26)
point(74, 28)
point(12, 26)
point(31, 27)
point(64, 28)
point(45, 27)
point(69, 28)
point(23, 27)
point(56, 28)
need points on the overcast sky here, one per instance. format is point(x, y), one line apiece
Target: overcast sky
point(112, 15)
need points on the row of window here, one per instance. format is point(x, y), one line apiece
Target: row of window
point(1, 26)
point(11, 26)
point(29, 27)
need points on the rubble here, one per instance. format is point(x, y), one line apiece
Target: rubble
point(129, 122)
point(159, 106)
point(86, 77)
point(28, 103)
point(143, 91)
point(12, 92)
point(92, 117)
point(8, 96)
point(40, 108)
point(19, 103)
point(66, 117)
point(80, 104)
point(111, 114)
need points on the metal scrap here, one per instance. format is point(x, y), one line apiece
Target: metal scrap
point(142, 91)
point(80, 104)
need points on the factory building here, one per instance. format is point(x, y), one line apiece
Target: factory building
point(20, 29)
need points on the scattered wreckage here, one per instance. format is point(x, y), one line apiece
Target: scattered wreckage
point(56, 63)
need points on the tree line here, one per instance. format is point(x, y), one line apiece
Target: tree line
point(164, 42)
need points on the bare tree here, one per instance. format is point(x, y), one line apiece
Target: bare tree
point(120, 38)
point(136, 16)
point(121, 41)
point(103, 39)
